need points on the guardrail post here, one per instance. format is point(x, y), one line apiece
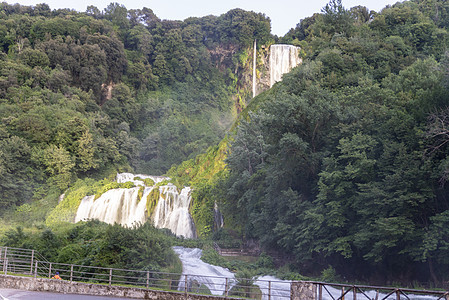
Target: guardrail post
point(377, 295)
point(320, 291)
point(226, 288)
point(148, 279)
point(354, 293)
point(6, 251)
point(32, 259)
point(269, 290)
point(5, 266)
point(71, 273)
point(35, 269)
point(342, 293)
point(49, 271)
point(110, 277)
point(185, 284)
point(398, 295)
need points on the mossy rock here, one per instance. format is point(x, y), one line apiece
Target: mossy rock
point(146, 181)
point(152, 200)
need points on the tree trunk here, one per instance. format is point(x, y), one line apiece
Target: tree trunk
point(432, 272)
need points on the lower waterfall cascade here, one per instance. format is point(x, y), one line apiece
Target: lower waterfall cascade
point(124, 207)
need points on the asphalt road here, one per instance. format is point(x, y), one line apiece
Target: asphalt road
point(11, 294)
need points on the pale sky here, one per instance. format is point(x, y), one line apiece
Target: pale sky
point(284, 14)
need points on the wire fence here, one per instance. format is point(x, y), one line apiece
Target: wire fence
point(25, 262)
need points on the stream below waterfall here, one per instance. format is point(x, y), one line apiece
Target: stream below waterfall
point(218, 279)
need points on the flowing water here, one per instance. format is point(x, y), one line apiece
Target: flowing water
point(213, 277)
point(172, 211)
point(218, 279)
point(283, 58)
point(278, 289)
point(125, 207)
point(120, 206)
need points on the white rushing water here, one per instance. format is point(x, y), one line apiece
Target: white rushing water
point(283, 58)
point(278, 289)
point(213, 277)
point(129, 177)
point(172, 211)
point(120, 206)
point(124, 207)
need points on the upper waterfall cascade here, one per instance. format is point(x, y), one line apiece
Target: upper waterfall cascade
point(123, 206)
point(283, 58)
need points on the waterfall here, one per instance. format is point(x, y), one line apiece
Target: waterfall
point(172, 211)
point(282, 59)
point(120, 206)
point(123, 206)
point(218, 217)
point(125, 177)
point(254, 69)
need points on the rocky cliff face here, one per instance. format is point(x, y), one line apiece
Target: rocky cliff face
point(271, 63)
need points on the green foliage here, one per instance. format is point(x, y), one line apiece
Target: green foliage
point(140, 193)
point(344, 163)
point(329, 275)
point(98, 244)
point(146, 181)
point(84, 94)
point(202, 211)
point(113, 185)
point(340, 164)
point(245, 284)
point(152, 200)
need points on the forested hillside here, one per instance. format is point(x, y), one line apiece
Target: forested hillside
point(87, 94)
point(344, 164)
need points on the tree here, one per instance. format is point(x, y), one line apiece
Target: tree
point(117, 14)
point(336, 18)
point(16, 172)
point(86, 153)
point(59, 165)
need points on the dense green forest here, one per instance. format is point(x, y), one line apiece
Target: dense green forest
point(87, 94)
point(346, 161)
point(342, 166)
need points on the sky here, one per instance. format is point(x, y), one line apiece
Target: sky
point(284, 14)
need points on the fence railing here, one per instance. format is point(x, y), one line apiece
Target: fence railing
point(327, 291)
point(26, 262)
point(15, 261)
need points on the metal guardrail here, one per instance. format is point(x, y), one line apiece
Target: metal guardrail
point(15, 261)
point(26, 262)
point(334, 291)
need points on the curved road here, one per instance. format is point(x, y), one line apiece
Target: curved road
point(12, 294)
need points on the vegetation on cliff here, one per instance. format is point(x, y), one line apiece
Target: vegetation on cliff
point(87, 94)
point(342, 166)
